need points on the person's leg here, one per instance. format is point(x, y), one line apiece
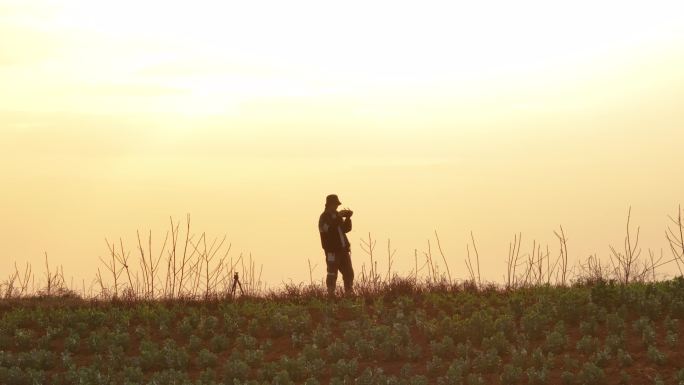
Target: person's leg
point(331, 261)
point(345, 266)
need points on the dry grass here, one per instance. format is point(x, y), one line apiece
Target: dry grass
point(190, 267)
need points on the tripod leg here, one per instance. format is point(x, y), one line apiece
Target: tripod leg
point(241, 291)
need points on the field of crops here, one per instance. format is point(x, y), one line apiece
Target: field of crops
point(587, 334)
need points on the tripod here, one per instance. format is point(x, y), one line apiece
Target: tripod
point(236, 282)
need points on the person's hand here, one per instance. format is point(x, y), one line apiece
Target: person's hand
point(346, 213)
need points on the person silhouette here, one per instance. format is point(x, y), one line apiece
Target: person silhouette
point(333, 227)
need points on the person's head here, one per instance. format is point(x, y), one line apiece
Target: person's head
point(332, 202)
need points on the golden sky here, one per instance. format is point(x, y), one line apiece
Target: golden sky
point(495, 117)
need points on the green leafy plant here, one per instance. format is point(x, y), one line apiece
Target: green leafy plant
point(475, 379)
point(150, 356)
point(174, 357)
point(555, 341)
point(672, 339)
point(625, 378)
point(295, 368)
point(615, 323)
point(487, 361)
point(656, 356)
point(235, 369)
point(615, 342)
point(345, 368)
point(220, 343)
point(601, 357)
point(537, 376)
point(679, 377)
point(591, 374)
point(132, 374)
point(72, 343)
point(569, 363)
point(587, 344)
point(337, 350)
point(511, 374)
point(414, 380)
point(206, 359)
point(589, 327)
point(497, 341)
point(455, 373)
point(444, 348)
point(194, 343)
point(434, 367)
point(24, 338)
point(624, 358)
point(520, 357)
point(568, 378)
point(648, 335)
point(534, 322)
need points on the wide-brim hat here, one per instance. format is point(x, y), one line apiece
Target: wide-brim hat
point(332, 199)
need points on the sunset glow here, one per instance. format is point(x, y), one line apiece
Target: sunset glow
point(495, 117)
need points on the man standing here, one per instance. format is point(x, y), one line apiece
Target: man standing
point(333, 226)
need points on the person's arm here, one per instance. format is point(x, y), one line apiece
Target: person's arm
point(324, 230)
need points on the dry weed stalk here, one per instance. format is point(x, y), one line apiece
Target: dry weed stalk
point(439, 246)
point(415, 258)
point(201, 272)
point(625, 263)
point(311, 272)
point(111, 266)
point(55, 283)
point(593, 270)
point(562, 261)
point(675, 238)
point(428, 261)
point(17, 284)
point(204, 271)
point(390, 258)
point(150, 265)
point(535, 265)
point(512, 261)
point(469, 264)
point(368, 247)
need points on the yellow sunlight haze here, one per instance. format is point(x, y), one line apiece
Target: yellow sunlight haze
point(491, 116)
